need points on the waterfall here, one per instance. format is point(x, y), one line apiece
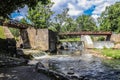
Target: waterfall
point(87, 40)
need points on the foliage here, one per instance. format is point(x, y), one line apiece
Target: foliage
point(86, 23)
point(101, 38)
point(15, 32)
point(2, 36)
point(8, 6)
point(24, 21)
point(40, 15)
point(110, 18)
point(63, 22)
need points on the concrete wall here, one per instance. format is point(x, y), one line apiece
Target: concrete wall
point(103, 44)
point(40, 39)
point(97, 44)
point(115, 38)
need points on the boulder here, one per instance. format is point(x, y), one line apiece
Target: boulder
point(117, 46)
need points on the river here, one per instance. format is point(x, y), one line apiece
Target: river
point(81, 66)
point(84, 66)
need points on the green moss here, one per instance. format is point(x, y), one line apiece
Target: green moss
point(2, 36)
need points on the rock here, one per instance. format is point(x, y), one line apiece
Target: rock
point(39, 65)
point(115, 38)
point(71, 71)
point(117, 46)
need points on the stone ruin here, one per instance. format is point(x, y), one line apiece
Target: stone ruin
point(40, 39)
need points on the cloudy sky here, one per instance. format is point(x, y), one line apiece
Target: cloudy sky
point(76, 7)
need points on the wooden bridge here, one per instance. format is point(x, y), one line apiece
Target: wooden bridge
point(16, 25)
point(86, 33)
point(108, 34)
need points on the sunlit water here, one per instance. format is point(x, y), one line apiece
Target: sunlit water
point(83, 65)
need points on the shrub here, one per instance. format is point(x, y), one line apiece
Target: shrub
point(101, 39)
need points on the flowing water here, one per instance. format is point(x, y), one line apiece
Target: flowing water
point(85, 65)
point(78, 63)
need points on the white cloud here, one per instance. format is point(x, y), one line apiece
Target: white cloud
point(77, 7)
point(73, 11)
point(95, 17)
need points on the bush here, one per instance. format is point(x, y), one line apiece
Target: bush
point(101, 39)
point(15, 32)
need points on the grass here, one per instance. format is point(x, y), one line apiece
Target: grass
point(2, 36)
point(115, 54)
point(69, 39)
point(114, 63)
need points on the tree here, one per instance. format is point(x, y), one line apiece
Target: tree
point(40, 15)
point(8, 6)
point(110, 18)
point(63, 22)
point(23, 21)
point(58, 21)
point(85, 23)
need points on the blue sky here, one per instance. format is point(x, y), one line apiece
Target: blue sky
point(76, 7)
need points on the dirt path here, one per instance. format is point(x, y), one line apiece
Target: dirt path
point(21, 73)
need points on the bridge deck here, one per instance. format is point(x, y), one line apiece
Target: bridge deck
point(85, 33)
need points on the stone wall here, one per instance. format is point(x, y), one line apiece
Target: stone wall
point(103, 44)
point(115, 38)
point(37, 39)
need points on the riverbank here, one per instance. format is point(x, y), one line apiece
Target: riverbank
point(106, 53)
point(98, 53)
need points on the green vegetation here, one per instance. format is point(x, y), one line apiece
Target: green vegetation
point(2, 36)
point(8, 6)
point(69, 39)
point(15, 32)
point(40, 15)
point(101, 38)
point(86, 23)
point(65, 23)
point(115, 54)
point(110, 19)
